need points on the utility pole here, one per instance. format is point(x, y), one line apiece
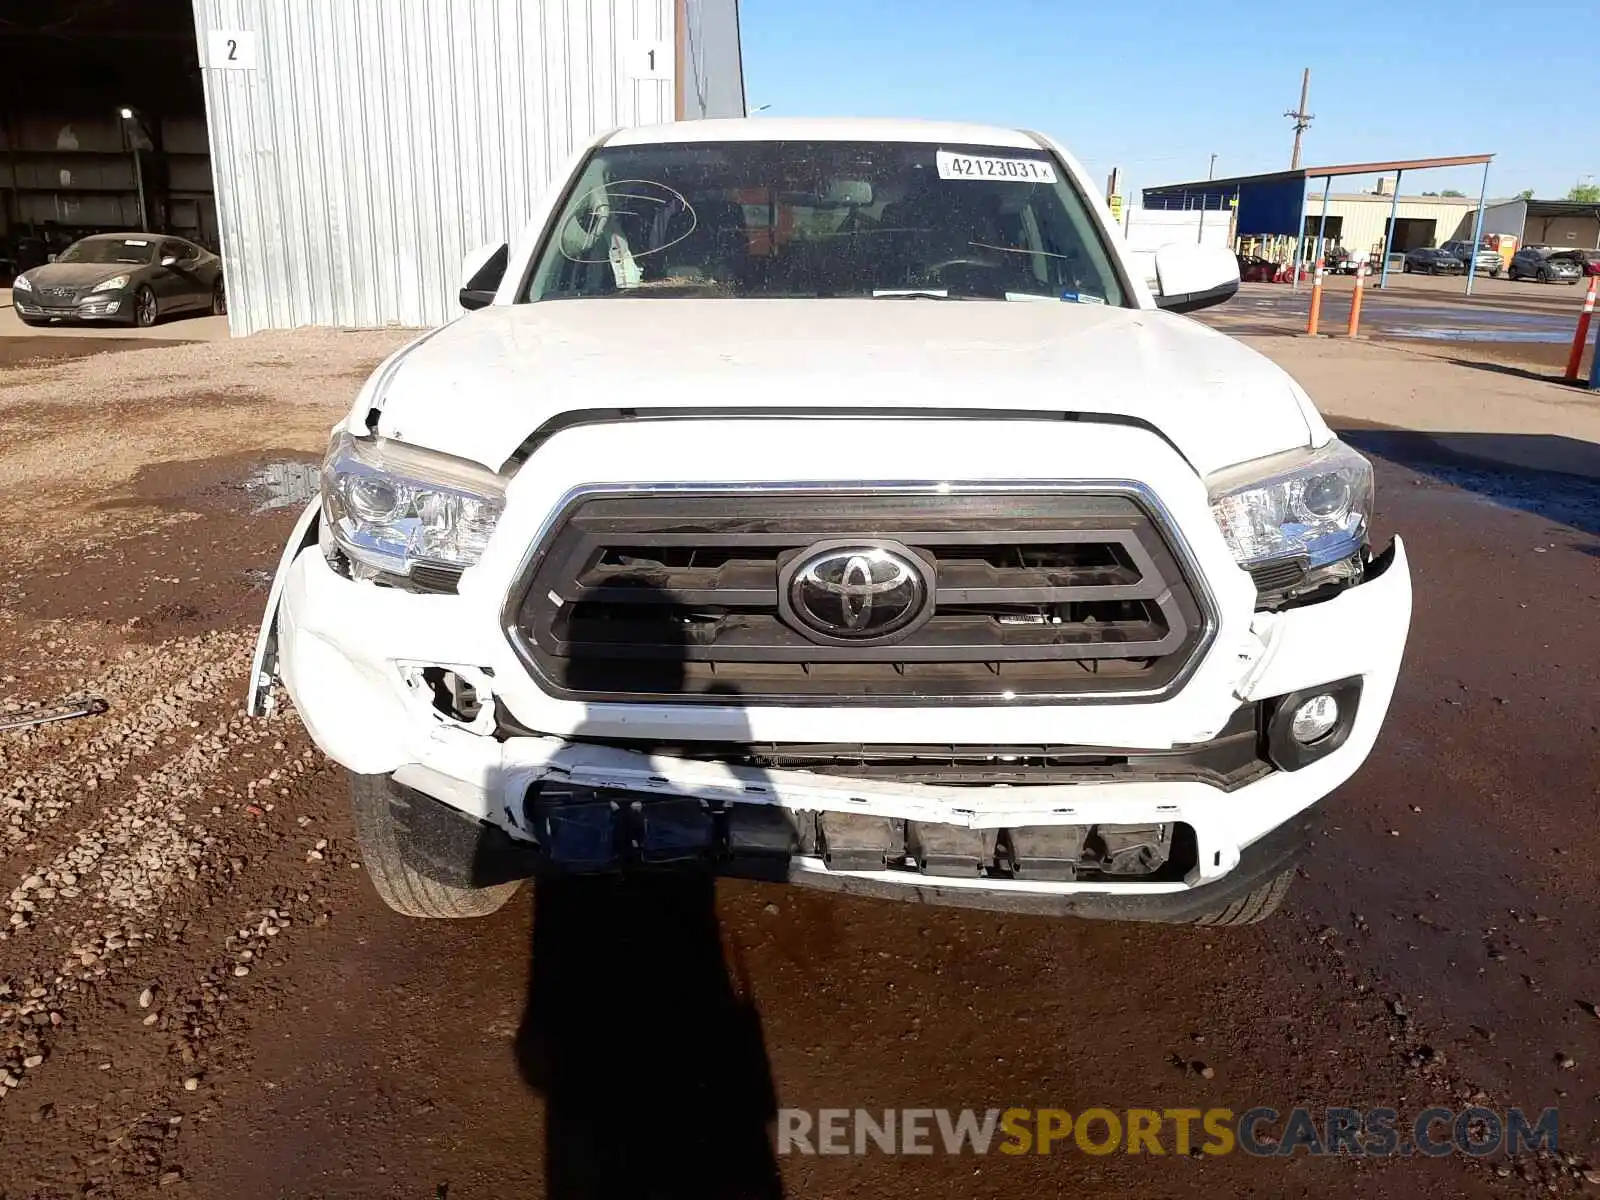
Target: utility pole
point(1302, 119)
point(1211, 171)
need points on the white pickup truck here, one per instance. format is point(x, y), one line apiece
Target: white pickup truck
point(829, 501)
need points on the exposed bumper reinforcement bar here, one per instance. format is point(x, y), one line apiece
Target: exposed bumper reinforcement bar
point(591, 832)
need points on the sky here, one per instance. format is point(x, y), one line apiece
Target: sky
point(1158, 88)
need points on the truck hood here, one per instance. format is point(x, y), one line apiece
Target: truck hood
point(478, 387)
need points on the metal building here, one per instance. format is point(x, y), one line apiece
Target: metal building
point(102, 126)
point(1569, 224)
point(361, 147)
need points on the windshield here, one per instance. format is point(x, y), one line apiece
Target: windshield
point(136, 251)
point(825, 219)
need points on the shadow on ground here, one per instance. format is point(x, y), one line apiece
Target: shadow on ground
point(646, 1048)
point(641, 1032)
point(1554, 477)
point(1550, 375)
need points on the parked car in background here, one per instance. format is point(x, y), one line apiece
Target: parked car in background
point(1337, 260)
point(126, 278)
point(1588, 260)
point(1488, 261)
point(1431, 260)
point(1255, 269)
point(1544, 264)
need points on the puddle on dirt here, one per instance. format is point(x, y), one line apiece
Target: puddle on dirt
point(1481, 333)
point(283, 485)
point(151, 582)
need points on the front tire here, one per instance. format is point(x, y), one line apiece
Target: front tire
point(145, 311)
point(389, 853)
point(219, 299)
point(1254, 906)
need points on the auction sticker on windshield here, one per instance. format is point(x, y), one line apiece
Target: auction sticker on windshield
point(984, 166)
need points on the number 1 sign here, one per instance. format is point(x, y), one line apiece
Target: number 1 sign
point(648, 60)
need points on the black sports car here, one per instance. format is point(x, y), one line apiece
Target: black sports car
point(1430, 260)
point(131, 278)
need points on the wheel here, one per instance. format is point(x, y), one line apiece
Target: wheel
point(1544, 276)
point(145, 311)
point(1405, 268)
point(1255, 905)
point(390, 852)
point(219, 299)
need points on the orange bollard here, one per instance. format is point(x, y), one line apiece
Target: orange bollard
point(1581, 338)
point(1355, 302)
point(1316, 301)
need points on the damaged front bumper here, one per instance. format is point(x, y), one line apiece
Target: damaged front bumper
point(580, 800)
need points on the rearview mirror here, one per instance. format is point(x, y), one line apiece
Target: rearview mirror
point(481, 272)
point(1195, 277)
point(849, 193)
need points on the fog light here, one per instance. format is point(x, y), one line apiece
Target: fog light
point(1312, 723)
point(1314, 719)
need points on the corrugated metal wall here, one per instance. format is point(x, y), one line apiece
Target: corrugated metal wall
point(1365, 217)
point(373, 142)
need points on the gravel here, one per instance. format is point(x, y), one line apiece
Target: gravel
point(76, 429)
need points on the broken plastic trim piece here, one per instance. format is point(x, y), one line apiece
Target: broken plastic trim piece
point(71, 710)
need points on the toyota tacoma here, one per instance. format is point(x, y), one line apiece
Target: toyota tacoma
point(837, 502)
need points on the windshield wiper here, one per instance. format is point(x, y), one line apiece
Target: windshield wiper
point(920, 294)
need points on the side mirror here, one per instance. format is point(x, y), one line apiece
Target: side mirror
point(1195, 277)
point(481, 272)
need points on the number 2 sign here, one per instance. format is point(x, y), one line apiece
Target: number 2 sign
point(231, 49)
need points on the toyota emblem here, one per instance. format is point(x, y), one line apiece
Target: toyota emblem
point(857, 591)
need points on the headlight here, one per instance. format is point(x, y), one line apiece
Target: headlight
point(391, 507)
point(1310, 508)
point(115, 283)
point(21, 284)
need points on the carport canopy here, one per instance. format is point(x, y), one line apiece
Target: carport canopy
point(1275, 203)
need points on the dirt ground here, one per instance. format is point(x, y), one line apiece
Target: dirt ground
point(201, 996)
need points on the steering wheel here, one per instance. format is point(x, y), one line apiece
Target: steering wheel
point(933, 275)
point(963, 260)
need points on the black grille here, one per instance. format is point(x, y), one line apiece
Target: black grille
point(1276, 576)
point(675, 597)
